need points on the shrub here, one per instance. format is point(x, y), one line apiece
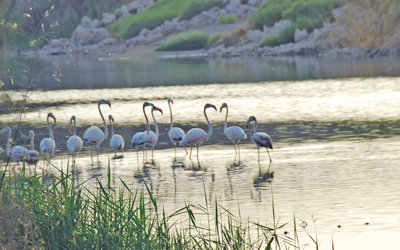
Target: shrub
point(154, 16)
point(196, 7)
point(230, 18)
point(310, 8)
point(285, 36)
point(213, 38)
point(190, 41)
point(269, 13)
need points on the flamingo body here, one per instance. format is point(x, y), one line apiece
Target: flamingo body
point(93, 135)
point(235, 134)
point(47, 145)
point(74, 144)
point(194, 136)
point(17, 153)
point(139, 140)
point(116, 141)
point(262, 140)
point(176, 135)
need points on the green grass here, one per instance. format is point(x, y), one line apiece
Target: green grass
point(304, 14)
point(71, 216)
point(157, 14)
point(230, 18)
point(190, 41)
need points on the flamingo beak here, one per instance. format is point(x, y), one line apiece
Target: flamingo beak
point(159, 110)
point(213, 106)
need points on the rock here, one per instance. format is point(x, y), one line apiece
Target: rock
point(86, 22)
point(108, 18)
point(255, 35)
point(96, 24)
point(121, 12)
point(134, 6)
point(300, 35)
point(59, 47)
point(85, 36)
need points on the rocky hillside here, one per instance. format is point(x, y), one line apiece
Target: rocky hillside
point(256, 28)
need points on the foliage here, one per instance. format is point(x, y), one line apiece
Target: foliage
point(190, 41)
point(285, 36)
point(70, 216)
point(269, 13)
point(196, 7)
point(230, 18)
point(213, 38)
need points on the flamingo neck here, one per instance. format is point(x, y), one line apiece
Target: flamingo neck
point(253, 130)
point(104, 123)
point(112, 128)
point(171, 120)
point(32, 141)
point(50, 129)
point(155, 122)
point(74, 128)
point(226, 119)
point(210, 129)
point(147, 120)
point(8, 146)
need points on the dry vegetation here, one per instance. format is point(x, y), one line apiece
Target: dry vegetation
point(368, 24)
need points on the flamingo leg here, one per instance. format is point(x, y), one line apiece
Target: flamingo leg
point(190, 155)
point(137, 157)
point(91, 152)
point(198, 154)
point(270, 160)
point(238, 146)
point(175, 149)
point(152, 154)
point(259, 167)
point(185, 149)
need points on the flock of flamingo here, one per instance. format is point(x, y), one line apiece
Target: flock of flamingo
point(140, 140)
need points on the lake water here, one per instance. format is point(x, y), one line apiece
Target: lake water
point(335, 126)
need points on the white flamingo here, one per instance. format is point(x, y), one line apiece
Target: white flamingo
point(48, 144)
point(32, 156)
point(152, 137)
point(116, 141)
point(17, 153)
point(196, 136)
point(139, 139)
point(74, 142)
point(259, 138)
point(233, 133)
point(175, 134)
point(94, 135)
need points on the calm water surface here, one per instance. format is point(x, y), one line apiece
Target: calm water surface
point(336, 141)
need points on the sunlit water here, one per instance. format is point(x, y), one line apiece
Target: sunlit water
point(336, 143)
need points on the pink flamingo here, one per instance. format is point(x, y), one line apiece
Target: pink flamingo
point(117, 141)
point(17, 153)
point(233, 133)
point(175, 134)
point(196, 136)
point(152, 137)
point(48, 144)
point(32, 156)
point(139, 139)
point(94, 135)
point(74, 142)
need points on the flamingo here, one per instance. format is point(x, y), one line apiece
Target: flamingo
point(47, 145)
point(17, 153)
point(175, 134)
point(74, 142)
point(259, 138)
point(233, 133)
point(94, 135)
point(196, 136)
point(139, 139)
point(152, 137)
point(32, 156)
point(116, 141)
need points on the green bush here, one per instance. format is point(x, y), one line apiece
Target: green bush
point(213, 38)
point(191, 41)
point(269, 13)
point(310, 8)
point(154, 16)
point(230, 18)
point(285, 36)
point(196, 7)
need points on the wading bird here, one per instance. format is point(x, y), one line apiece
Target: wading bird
point(152, 137)
point(94, 135)
point(32, 156)
point(139, 139)
point(17, 153)
point(233, 133)
point(196, 136)
point(48, 144)
point(74, 142)
point(175, 134)
point(260, 139)
point(116, 141)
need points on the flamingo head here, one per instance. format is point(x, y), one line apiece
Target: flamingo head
point(52, 116)
point(102, 101)
point(73, 118)
point(158, 109)
point(208, 105)
point(224, 105)
point(145, 104)
point(251, 118)
point(111, 118)
point(170, 100)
